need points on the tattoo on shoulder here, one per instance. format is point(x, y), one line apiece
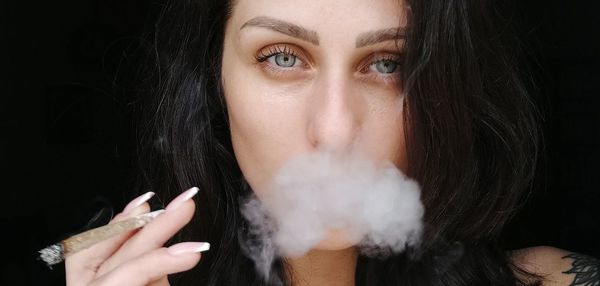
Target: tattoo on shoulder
point(585, 268)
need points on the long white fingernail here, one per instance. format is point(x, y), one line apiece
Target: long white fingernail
point(188, 247)
point(137, 202)
point(179, 200)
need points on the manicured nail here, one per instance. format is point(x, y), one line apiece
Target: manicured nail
point(137, 202)
point(188, 247)
point(179, 200)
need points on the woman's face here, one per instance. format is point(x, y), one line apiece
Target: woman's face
point(313, 74)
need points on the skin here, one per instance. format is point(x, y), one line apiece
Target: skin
point(137, 257)
point(334, 97)
point(558, 267)
point(276, 113)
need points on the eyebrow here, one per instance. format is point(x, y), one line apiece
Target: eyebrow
point(374, 37)
point(293, 30)
point(284, 28)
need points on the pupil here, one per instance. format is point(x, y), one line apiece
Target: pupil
point(285, 60)
point(386, 66)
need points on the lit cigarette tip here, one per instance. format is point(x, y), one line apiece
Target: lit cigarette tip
point(52, 254)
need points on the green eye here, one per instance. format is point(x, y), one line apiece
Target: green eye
point(283, 60)
point(386, 66)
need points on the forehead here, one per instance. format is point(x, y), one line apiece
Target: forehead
point(322, 16)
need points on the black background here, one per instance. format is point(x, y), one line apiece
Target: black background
point(66, 79)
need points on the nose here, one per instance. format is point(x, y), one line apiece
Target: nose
point(336, 113)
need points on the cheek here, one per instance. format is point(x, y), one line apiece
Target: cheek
point(384, 134)
point(266, 127)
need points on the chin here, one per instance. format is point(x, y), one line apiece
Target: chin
point(337, 240)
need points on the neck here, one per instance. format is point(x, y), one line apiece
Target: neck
point(324, 267)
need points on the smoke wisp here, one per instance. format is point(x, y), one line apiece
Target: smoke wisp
point(376, 208)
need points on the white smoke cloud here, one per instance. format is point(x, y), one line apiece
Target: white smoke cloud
point(378, 208)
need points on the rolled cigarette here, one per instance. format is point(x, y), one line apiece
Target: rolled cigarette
point(57, 252)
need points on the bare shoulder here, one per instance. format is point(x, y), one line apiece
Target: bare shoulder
point(558, 267)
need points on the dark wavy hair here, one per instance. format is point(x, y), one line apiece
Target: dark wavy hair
point(472, 140)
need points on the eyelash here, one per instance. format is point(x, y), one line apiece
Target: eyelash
point(265, 54)
point(271, 51)
point(398, 59)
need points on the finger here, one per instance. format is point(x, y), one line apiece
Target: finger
point(83, 264)
point(178, 213)
point(154, 265)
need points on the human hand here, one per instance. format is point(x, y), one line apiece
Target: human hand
point(138, 257)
